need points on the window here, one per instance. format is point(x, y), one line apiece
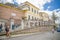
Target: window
point(35, 18)
point(37, 12)
point(32, 17)
point(28, 8)
point(29, 17)
point(32, 9)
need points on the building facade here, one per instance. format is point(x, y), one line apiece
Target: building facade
point(10, 15)
point(14, 16)
point(32, 12)
point(45, 16)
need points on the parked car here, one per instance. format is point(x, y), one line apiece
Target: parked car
point(58, 29)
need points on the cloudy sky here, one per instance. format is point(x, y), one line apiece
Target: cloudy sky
point(45, 5)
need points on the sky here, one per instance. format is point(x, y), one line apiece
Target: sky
point(48, 6)
point(52, 5)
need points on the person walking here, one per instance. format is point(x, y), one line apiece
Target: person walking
point(53, 30)
point(1, 27)
point(7, 30)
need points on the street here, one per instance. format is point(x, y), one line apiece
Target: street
point(38, 36)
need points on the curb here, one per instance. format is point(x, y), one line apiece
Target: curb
point(19, 35)
point(24, 34)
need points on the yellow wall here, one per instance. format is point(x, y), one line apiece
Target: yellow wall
point(44, 15)
point(29, 12)
point(31, 5)
point(32, 14)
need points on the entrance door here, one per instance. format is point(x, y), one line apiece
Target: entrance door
point(12, 23)
point(3, 26)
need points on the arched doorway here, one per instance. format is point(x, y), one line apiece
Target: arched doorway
point(2, 21)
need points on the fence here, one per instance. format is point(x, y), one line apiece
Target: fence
point(28, 24)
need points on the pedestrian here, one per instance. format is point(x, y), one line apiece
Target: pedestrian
point(53, 30)
point(7, 30)
point(1, 27)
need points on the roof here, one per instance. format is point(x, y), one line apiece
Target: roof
point(17, 9)
point(43, 13)
point(31, 4)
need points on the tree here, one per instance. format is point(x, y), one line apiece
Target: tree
point(54, 17)
point(11, 4)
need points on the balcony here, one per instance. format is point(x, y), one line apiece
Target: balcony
point(25, 8)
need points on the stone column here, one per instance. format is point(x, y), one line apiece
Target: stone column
point(28, 24)
point(34, 23)
point(22, 24)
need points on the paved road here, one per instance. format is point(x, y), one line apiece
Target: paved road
point(39, 36)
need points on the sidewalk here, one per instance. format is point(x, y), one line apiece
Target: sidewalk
point(12, 36)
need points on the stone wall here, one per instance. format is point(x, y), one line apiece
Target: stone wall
point(33, 30)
